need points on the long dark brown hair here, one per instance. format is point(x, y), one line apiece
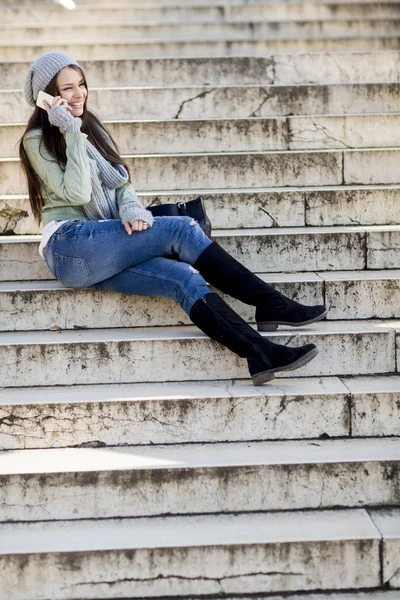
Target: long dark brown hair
point(54, 142)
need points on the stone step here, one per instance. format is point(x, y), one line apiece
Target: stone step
point(140, 355)
point(244, 170)
point(108, 4)
point(185, 171)
point(255, 134)
point(215, 411)
point(55, 305)
point(181, 48)
point(47, 485)
point(288, 69)
point(196, 555)
point(41, 305)
point(199, 412)
point(136, 31)
point(377, 595)
point(269, 207)
point(218, 12)
point(220, 102)
point(275, 250)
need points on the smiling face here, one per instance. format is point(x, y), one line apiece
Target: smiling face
point(72, 88)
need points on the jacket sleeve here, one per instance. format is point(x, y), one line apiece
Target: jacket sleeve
point(126, 193)
point(73, 185)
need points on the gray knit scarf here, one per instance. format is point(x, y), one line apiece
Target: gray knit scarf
point(105, 177)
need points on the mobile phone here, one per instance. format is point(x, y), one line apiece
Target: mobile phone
point(43, 96)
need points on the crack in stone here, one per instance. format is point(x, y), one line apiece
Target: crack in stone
point(234, 406)
point(274, 221)
point(177, 426)
point(398, 68)
point(397, 572)
point(218, 580)
point(8, 421)
point(343, 173)
point(283, 406)
point(292, 337)
point(267, 97)
point(343, 74)
point(325, 131)
point(321, 494)
point(201, 95)
point(354, 221)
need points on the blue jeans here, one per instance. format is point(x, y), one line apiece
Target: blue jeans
point(101, 255)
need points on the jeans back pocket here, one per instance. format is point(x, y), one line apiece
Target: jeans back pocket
point(72, 272)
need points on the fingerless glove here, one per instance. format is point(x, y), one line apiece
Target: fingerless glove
point(61, 118)
point(134, 211)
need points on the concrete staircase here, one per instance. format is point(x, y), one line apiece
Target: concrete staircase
point(136, 460)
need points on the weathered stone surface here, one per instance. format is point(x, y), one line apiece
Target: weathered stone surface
point(179, 136)
point(178, 413)
point(96, 4)
point(300, 68)
point(196, 479)
point(353, 205)
point(156, 31)
point(203, 71)
point(180, 354)
point(362, 295)
point(121, 3)
point(396, 326)
point(262, 250)
point(359, 166)
point(294, 249)
point(229, 209)
point(30, 306)
point(278, 552)
point(383, 248)
point(388, 524)
point(255, 134)
point(218, 171)
point(184, 12)
point(375, 405)
point(331, 67)
point(172, 49)
point(229, 102)
point(376, 595)
point(21, 261)
point(361, 131)
point(242, 101)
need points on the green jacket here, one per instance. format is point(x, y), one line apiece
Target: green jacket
point(65, 192)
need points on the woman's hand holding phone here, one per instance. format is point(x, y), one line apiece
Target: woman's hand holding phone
point(59, 112)
point(58, 101)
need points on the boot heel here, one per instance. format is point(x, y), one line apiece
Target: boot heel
point(267, 326)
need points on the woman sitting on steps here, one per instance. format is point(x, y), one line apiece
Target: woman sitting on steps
point(98, 235)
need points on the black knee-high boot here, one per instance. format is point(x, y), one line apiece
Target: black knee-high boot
point(264, 358)
point(228, 275)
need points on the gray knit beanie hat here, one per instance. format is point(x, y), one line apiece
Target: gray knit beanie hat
point(42, 72)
